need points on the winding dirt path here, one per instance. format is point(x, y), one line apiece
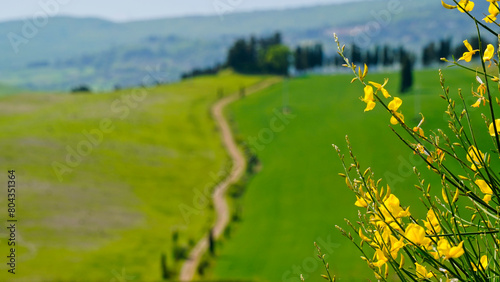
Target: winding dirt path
point(238, 167)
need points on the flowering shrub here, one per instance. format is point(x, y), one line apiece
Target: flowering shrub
point(457, 240)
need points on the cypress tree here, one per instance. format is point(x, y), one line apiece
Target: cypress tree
point(211, 242)
point(406, 71)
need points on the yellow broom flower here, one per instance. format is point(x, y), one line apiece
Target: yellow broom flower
point(448, 251)
point(492, 128)
point(467, 56)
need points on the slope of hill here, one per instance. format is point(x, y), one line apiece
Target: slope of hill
point(110, 208)
point(71, 51)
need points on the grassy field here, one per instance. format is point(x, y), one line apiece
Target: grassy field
point(297, 198)
point(102, 205)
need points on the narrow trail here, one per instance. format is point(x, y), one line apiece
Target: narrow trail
point(238, 168)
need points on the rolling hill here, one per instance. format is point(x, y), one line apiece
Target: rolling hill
point(115, 204)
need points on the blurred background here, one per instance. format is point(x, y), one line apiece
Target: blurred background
point(105, 115)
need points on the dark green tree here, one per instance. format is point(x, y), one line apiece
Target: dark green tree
point(309, 56)
point(211, 242)
point(276, 60)
point(406, 61)
point(444, 50)
point(429, 55)
point(241, 56)
point(300, 58)
point(355, 54)
point(165, 274)
point(387, 56)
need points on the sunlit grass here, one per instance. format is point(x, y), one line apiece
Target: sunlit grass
point(116, 209)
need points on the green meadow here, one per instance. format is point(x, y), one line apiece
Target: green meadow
point(101, 177)
point(297, 197)
point(110, 213)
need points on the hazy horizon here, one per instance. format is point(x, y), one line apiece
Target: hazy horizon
point(118, 11)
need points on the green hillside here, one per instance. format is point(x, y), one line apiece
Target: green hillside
point(297, 198)
point(118, 199)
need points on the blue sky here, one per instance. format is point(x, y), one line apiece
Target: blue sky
point(128, 10)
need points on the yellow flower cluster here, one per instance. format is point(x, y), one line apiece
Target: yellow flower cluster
point(492, 128)
point(388, 234)
point(389, 215)
point(467, 56)
point(488, 55)
point(463, 6)
point(445, 246)
point(486, 189)
point(370, 95)
point(481, 90)
point(475, 157)
point(493, 10)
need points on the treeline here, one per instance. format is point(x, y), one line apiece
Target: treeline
point(269, 55)
point(259, 55)
point(387, 56)
point(380, 56)
point(266, 55)
point(433, 52)
point(203, 71)
point(308, 56)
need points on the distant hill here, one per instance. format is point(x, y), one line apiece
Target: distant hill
point(73, 51)
point(9, 90)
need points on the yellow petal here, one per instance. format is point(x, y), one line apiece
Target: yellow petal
point(458, 251)
point(419, 131)
point(422, 272)
point(381, 87)
point(369, 106)
point(484, 261)
point(467, 45)
point(475, 156)
point(376, 85)
point(446, 249)
point(492, 127)
point(445, 197)
point(385, 93)
point(360, 202)
point(368, 94)
point(483, 186)
point(435, 255)
point(490, 18)
point(416, 234)
point(448, 6)
point(477, 104)
point(402, 263)
point(363, 237)
point(488, 53)
point(493, 9)
point(487, 198)
point(455, 197)
point(465, 6)
point(395, 104)
point(395, 121)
